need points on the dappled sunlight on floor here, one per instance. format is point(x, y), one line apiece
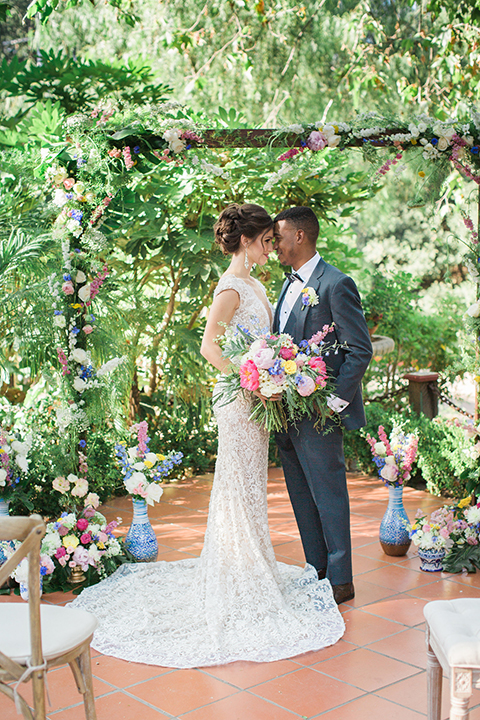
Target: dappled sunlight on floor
point(377, 670)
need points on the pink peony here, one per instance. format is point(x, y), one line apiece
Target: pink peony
point(264, 359)
point(60, 552)
point(68, 288)
point(249, 377)
point(316, 141)
point(87, 329)
point(287, 353)
point(318, 364)
point(82, 524)
point(305, 386)
point(85, 538)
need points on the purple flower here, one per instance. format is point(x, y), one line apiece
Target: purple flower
point(75, 331)
point(136, 149)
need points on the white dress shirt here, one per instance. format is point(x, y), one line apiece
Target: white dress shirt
point(289, 299)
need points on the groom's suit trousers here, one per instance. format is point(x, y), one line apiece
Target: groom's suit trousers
point(314, 468)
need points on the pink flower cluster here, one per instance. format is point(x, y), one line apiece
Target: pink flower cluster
point(63, 361)
point(164, 155)
point(142, 437)
point(291, 153)
point(115, 153)
point(127, 158)
point(468, 222)
point(97, 283)
point(190, 135)
point(100, 209)
point(391, 161)
point(459, 143)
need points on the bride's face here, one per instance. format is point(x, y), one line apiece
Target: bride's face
point(260, 248)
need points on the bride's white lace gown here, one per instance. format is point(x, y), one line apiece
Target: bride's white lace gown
point(234, 602)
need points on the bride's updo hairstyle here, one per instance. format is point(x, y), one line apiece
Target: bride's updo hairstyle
point(237, 220)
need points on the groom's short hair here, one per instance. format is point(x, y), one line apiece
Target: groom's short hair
point(302, 218)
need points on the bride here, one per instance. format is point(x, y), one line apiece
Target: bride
point(234, 602)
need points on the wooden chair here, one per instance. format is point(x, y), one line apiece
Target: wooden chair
point(34, 637)
point(453, 645)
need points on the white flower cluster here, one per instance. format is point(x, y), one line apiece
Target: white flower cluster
point(175, 143)
point(214, 169)
point(110, 365)
point(369, 132)
point(275, 177)
point(17, 452)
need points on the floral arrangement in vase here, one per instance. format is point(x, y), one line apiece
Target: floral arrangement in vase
point(13, 464)
point(143, 470)
point(394, 457)
point(275, 365)
point(453, 529)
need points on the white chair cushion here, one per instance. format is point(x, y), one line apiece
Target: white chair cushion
point(455, 631)
point(62, 630)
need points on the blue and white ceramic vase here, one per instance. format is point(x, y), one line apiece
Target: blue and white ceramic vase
point(431, 559)
point(24, 589)
point(393, 536)
point(140, 540)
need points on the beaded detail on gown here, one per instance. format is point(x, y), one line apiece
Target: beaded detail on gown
point(234, 602)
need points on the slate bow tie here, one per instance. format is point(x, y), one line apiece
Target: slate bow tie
point(292, 276)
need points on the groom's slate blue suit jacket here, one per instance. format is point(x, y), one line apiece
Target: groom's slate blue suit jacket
point(338, 302)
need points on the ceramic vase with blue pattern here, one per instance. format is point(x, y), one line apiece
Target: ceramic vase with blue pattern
point(393, 536)
point(140, 540)
point(431, 559)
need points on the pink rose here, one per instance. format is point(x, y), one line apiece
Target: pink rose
point(82, 524)
point(68, 288)
point(305, 386)
point(62, 561)
point(264, 359)
point(87, 329)
point(102, 537)
point(68, 183)
point(85, 538)
point(60, 552)
point(287, 353)
point(278, 379)
point(389, 473)
point(316, 141)
point(249, 377)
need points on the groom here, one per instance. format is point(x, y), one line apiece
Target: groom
point(313, 462)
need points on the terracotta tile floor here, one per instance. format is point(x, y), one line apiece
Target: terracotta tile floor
point(377, 670)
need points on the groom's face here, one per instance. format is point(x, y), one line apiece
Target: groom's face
point(285, 243)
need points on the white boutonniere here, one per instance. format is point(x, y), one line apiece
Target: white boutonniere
point(309, 297)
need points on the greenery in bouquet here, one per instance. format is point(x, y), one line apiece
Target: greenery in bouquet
point(14, 464)
point(276, 366)
point(143, 471)
point(394, 457)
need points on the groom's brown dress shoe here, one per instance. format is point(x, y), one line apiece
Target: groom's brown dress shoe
point(343, 593)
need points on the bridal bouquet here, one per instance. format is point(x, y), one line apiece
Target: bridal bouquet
point(144, 470)
point(275, 366)
point(394, 457)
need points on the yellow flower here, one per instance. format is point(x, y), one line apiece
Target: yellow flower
point(148, 463)
point(1, 451)
point(75, 306)
point(477, 380)
point(335, 127)
point(413, 141)
point(160, 456)
point(466, 501)
point(290, 367)
point(70, 541)
point(101, 546)
point(421, 174)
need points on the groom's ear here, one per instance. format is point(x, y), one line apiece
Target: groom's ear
point(301, 237)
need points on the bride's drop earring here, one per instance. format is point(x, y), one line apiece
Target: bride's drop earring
point(246, 259)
